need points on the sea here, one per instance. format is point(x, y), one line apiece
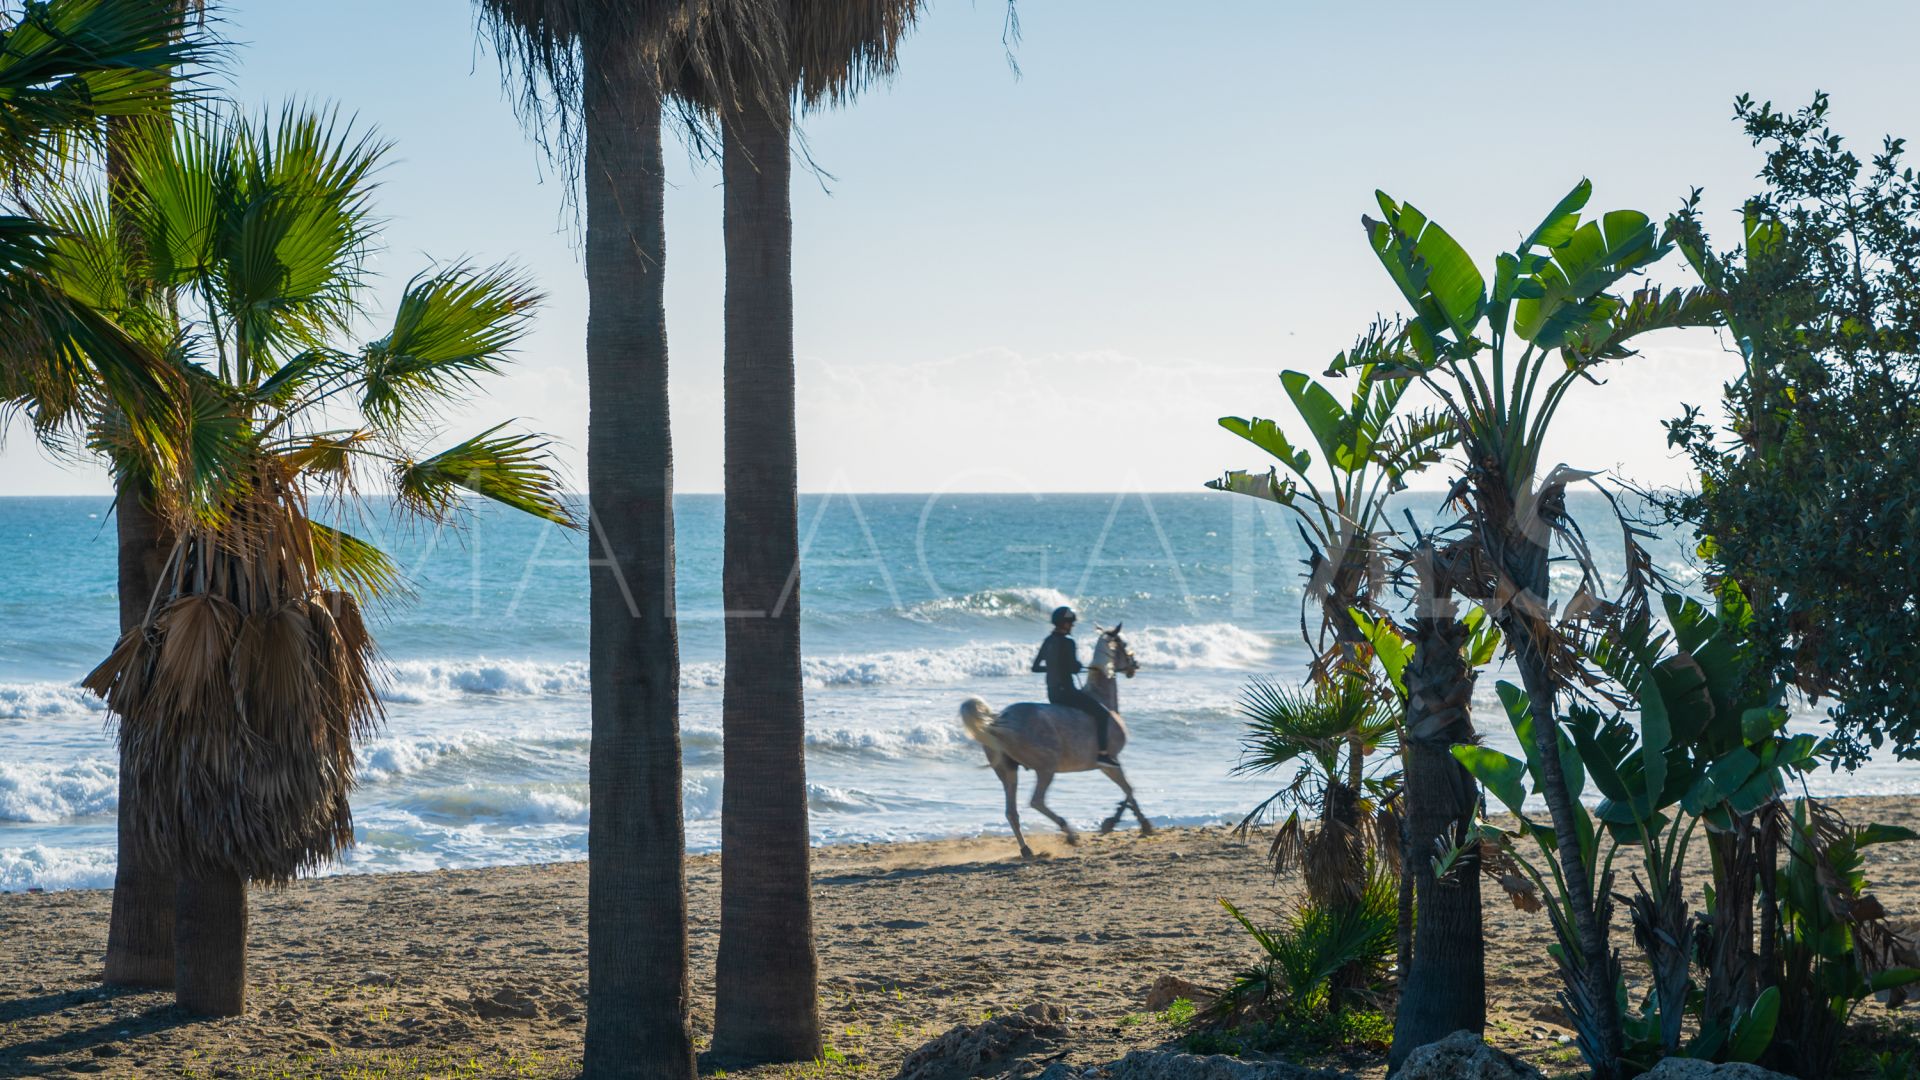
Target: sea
point(911, 603)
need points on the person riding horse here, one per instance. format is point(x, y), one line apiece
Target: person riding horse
point(1059, 660)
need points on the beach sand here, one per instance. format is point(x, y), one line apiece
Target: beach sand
point(483, 972)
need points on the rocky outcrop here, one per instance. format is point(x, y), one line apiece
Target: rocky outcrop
point(1690, 1069)
point(1169, 1065)
point(988, 1048)
point(1463, 1056)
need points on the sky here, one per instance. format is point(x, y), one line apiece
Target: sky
point(1058, 279)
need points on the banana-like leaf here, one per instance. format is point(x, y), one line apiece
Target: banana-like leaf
point(1327, 421)
point(1557, 227)
point(1266, 435)
point(1753, 1027)
point(1573, 284)
point(1433, 271)
point(1483, 638)
point(1497, 772)
point(1390, 647)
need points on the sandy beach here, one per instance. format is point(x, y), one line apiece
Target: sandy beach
point(482, 972)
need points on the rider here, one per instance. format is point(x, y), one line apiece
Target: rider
point(1060, 660)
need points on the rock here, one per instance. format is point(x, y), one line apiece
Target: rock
point(1171, 1065)
point(984, 1049)
point(1168, 989)
point(1463, 1056)
point(1675, 1068)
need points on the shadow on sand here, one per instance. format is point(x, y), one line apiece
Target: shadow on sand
point(24, 1058)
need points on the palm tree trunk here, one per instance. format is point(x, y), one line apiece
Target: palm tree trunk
point(637, 981)
point(1445, 989)
point(210, 945)
point(766, 974)
point(140, 929)
point(1525, 566)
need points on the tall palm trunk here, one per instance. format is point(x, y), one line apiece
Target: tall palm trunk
point(766, 976)
point(140, 929)
point(210, 944)
point(1522, 560)
point(637, 981)
point(1445, 989)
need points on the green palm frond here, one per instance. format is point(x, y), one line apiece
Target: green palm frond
point(292, 233)
point(1317, 720)
point(347, 562)
point(63, 359)
point(509, 469)
point(185, 183)
point(451, 326)
point(66, 64)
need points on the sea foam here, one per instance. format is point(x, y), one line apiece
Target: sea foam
point(40, 792)
point(47, 700)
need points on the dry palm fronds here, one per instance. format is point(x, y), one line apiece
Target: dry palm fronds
point(240, 698)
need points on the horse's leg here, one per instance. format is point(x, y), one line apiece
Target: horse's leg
point(1119, 777)
point(1039, 802)
point(1010, 780)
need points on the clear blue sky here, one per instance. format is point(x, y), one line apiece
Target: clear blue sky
point(1072, 273)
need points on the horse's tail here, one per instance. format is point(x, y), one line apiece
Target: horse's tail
point(977, 717)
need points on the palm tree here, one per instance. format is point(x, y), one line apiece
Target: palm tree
point(1501, 361)
point(64, 67)
point(819, 53)
point(1326, 731)
point(140, 927)
point(589, 72)
point(1443, 987)
point(250, 674)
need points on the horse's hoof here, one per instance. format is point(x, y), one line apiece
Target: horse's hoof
point(1108, 825)
point(1026, 854)
point(1073, 838)
point(1146, 827)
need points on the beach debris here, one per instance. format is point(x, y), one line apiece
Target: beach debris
point(1171, 1065)
point(1677, 1068)
point(1464, 1056)
point(989, 1047)
point(1168, 989)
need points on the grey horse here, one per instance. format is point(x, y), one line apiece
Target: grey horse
point(1052, 739)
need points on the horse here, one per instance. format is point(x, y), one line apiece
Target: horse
point(1052, 739)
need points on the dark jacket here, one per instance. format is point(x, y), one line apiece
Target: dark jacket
point(1060, 660)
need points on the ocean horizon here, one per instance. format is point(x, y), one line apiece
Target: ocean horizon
point(910, 604)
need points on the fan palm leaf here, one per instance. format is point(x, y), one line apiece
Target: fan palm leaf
point(241, 695)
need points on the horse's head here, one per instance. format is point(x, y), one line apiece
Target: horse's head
point(1112, 653)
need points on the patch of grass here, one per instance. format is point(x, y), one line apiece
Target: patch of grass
point(1298, 1035)
point(1179, 1012)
